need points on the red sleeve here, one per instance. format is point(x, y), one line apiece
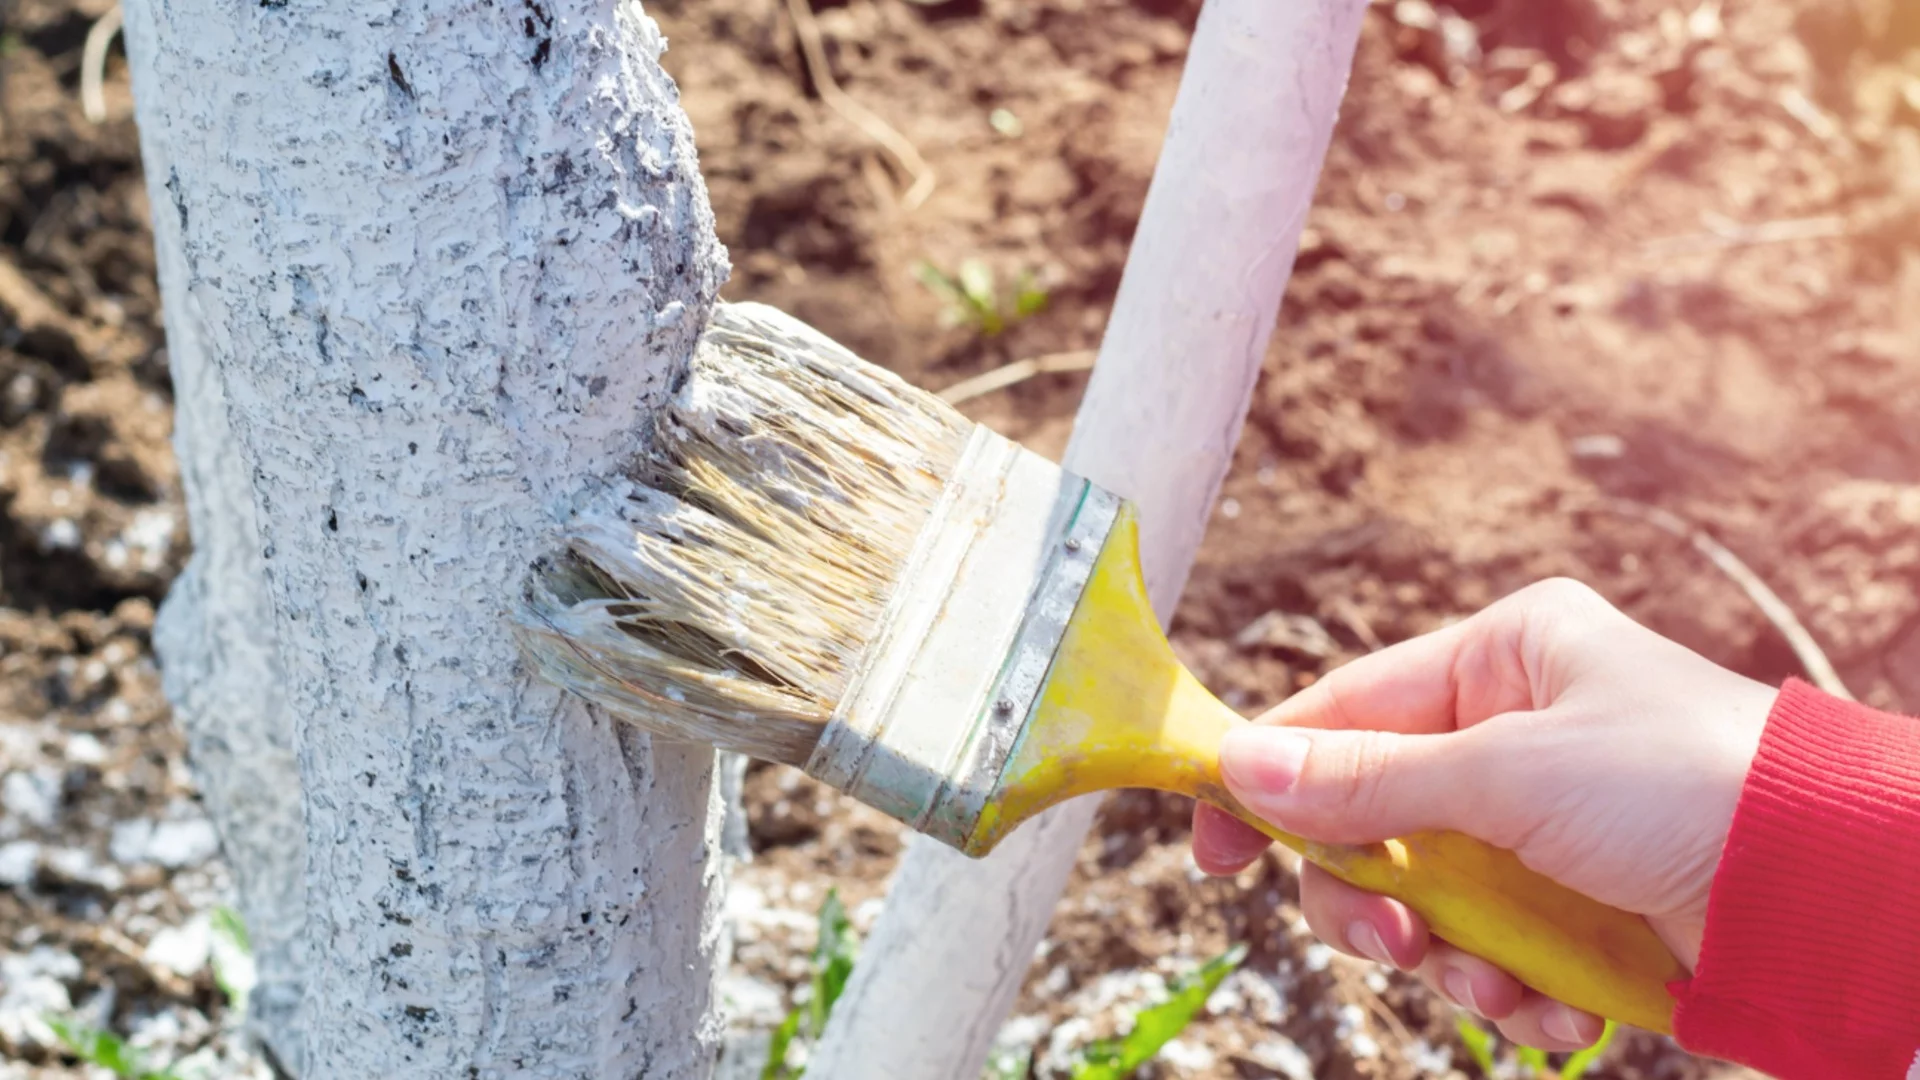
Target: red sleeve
point(1811, 963)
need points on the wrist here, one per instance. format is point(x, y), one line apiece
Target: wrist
point(1809, 930)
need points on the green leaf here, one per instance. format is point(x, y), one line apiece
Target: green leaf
point(954, 308)
point(833, 956)
point(1477, 1040)
point(231, 957)
point(103, 1048)
point(1030, 298)
point(970, 296)
point(937, 282)
point(1115, 1059)
point(982, 297)
point(227, 923)
point(1578, 1063)
point(1481, 1045)
point(776, 1067)
point(976, 284)
point(960, 304)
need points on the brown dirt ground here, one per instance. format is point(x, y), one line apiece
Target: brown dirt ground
point(1564, 250)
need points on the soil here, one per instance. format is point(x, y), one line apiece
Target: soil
point(1565, 252)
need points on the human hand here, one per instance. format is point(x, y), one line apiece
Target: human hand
point(1607, 757)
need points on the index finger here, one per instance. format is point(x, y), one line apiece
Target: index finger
point(1408, 687)
point(1441, 681)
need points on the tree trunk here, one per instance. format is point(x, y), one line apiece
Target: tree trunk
point(1190, 327)
point(439, 258)
point(215, 640)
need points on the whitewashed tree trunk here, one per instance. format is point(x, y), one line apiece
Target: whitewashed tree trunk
point(442, 255)
point(1196, 308)
point(216, 644)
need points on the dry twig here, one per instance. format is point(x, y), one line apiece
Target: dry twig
point(106, 937)
point(93, 65)
point(1349, 613)
point(1774, 609)
point(1352, 984)
point(807, 29)
point(1724, 232)
point(1017, 372)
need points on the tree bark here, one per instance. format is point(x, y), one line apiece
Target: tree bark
point(436, 259)
point(216, 645)
point(1169, 393)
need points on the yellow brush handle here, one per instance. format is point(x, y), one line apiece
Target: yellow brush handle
point(1119, 710)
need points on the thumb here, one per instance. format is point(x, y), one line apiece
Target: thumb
point(1353, 786)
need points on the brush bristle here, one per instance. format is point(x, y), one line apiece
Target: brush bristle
point(727, 593)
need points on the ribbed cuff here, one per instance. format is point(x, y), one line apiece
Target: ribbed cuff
point(1811, 961)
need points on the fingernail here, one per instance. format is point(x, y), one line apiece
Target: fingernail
point(1460, 989)
point(1262, 763)
point(1233, 850)
point(1365, 940)
point(1560, 1024)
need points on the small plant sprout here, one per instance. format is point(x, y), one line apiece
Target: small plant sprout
point(833, 956)
point(1526, 1062)
point(231, 957)
point(105, 1050)
point(972, 297)
point(1116, 1059)
point(1479, 1043)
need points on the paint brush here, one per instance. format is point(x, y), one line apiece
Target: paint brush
point(817, 564)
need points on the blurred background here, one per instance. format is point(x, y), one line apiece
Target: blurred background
point(1571, 259)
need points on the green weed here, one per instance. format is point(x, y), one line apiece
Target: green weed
point(833, 956)
point(231, 957)
point(104, 1049)
point(1109, 1059)
point(972, 297)
point(1116, 1059)
point(1483, 1047)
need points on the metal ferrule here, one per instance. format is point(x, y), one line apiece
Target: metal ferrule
point(963, 650)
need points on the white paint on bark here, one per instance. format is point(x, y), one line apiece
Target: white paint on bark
point(215, 640)
point(1190, 327)
point(442, 255)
